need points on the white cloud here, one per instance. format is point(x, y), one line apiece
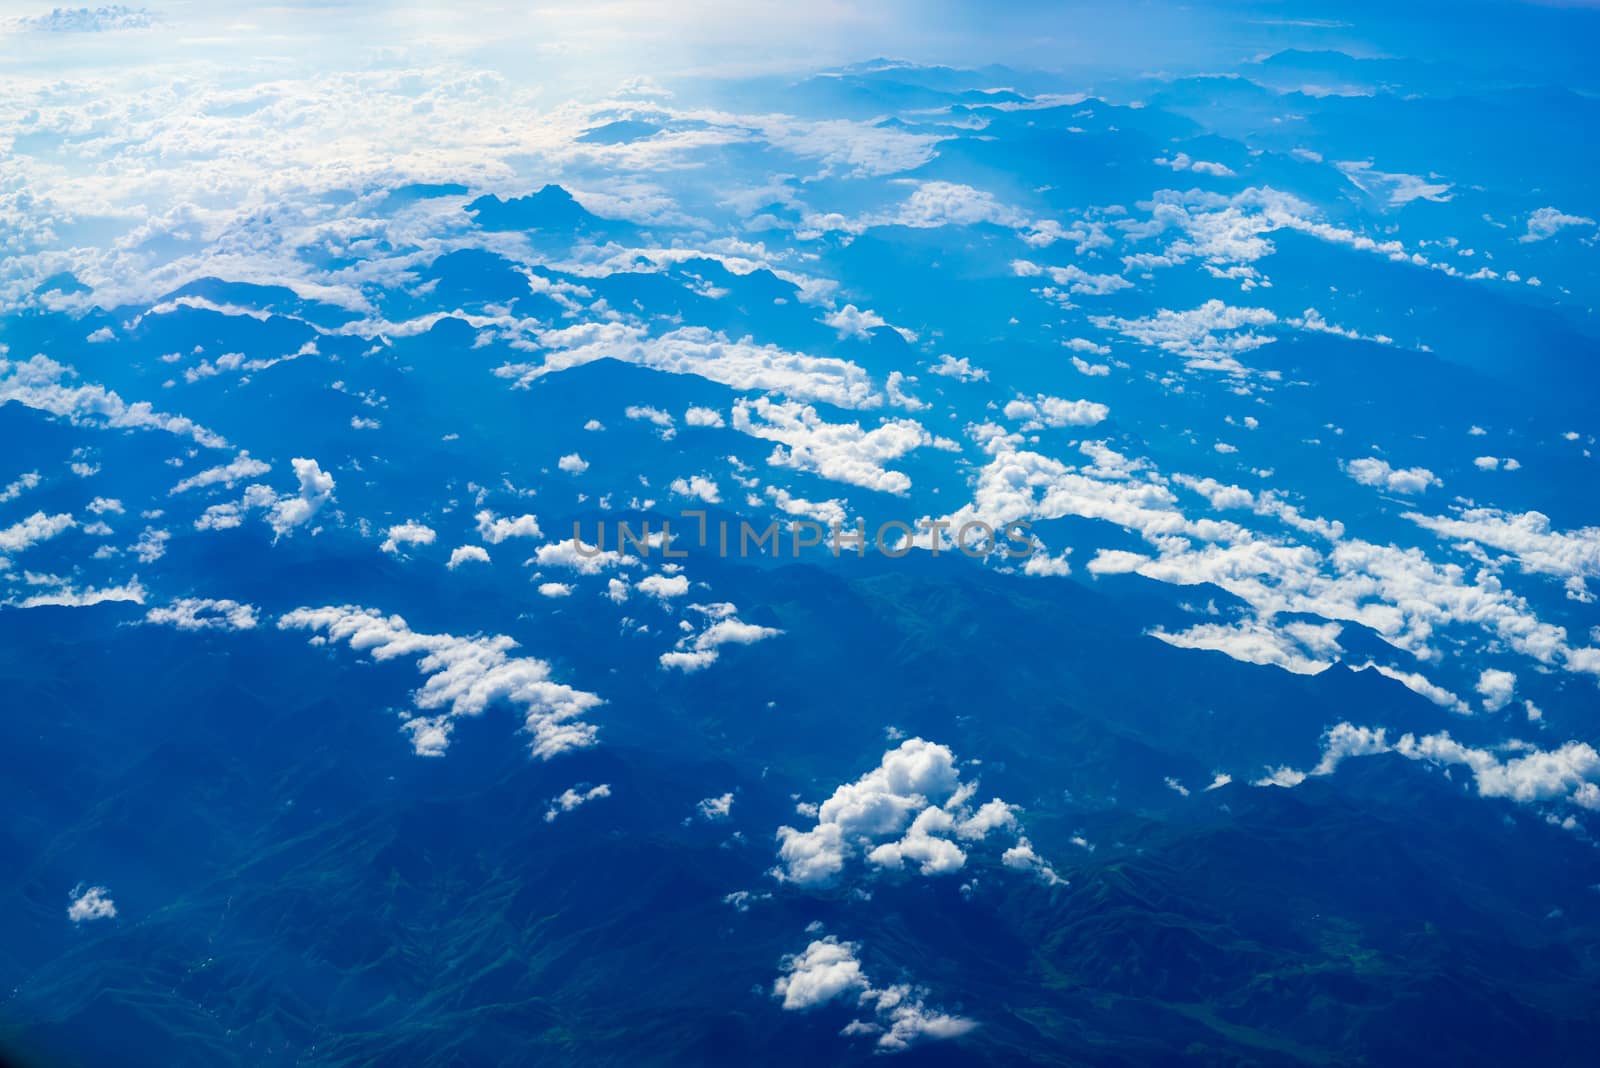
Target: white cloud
point(699, 650)
point(851, 321)
point(663, 587)
point(1419, 684)
point(31, 531)
point(570, 799)
point(205, 613)
point(90, 903)
point(1209, 337)
point(554, 589)
point(1045, 411)
point(1372, 471)
point(702, 417)
point(242, 467)
point(1546, 222)
point(496, 529)
point(573, 464)
point(64, 596)
point(1497, 688)
point(715, 808)
point(912, 809)
point(962, 369)
point(697, 486)
point(841, 452)
point(462, 554)
point(580, 556)
point(1180, 161)
point(464, 676)
point(23, 483)
point(408, 533)
point(828, 969)
point(39, 383)
point(692, 350)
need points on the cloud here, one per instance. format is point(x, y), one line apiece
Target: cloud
point(1419, 684)
point(1496, 688)
point(464, 676)
point(1525, 775)
point(581, 557)
point(205, 613)
point(1045, 411)
point(1529, 537)
point(701, 649)
point(1397, 189)
point(663, 587)
point(1301, 648)
point(462, 554)
point(1372, 471)
point(31, 531)
point(715, 808)
point(828, 969)
point(555, 589)
point(841, 452)
point(851, 321)
point(239, 469)
point(1209, 337)
point(691, 350)
point(911, 809)
point(283, 512)
point(90, 903)
point(697, 486)
point(64, 596)
point(39, 383)
point(570, 799)
point(573, 464)
point(86, 20)
point(494, 529)
point(1547, 222)
point(961, 369)
point(23, 483)
point(1182, 162)
point(408, 533)
point(702, 417)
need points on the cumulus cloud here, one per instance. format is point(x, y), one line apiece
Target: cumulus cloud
point(205, 613)
point(663, 587)
point(1371, 471)
point(463, 677)
point(496, 529)
point(742, 364)
point(573, 464)
point(41, 383)
point(90, 903)
point(463, 554)
point(282, 512)
point(828, 970)
point(1045, 411)
point(1515, 771)
point(408, 533)
point(1208, 338)
point(962, 369)
point(841, 452)
point(700, 649)
point(1547, 222)
point(715, 808)
point(239, 469)
point(912, 809)
point(571, 798)
point(34, 529)
point(1496, 687)
point(696, 416)
point(698, 486)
